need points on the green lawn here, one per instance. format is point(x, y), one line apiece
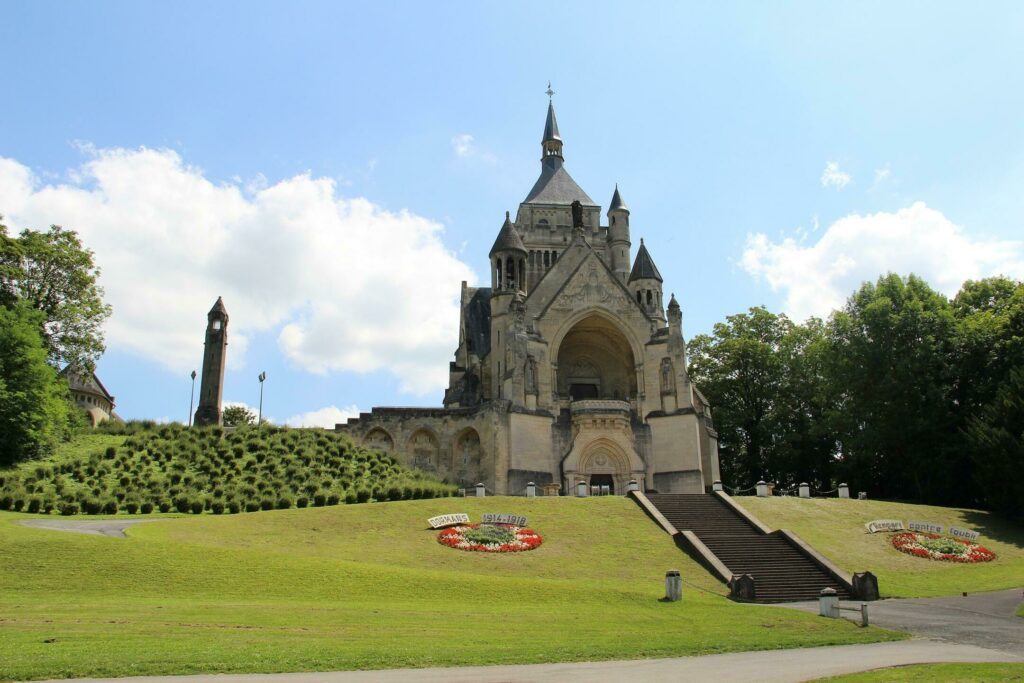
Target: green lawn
point(836, 528)
point(367, 586)
point(988, 673)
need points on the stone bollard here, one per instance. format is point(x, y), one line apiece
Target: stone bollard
point(828, 603)
point(531, 490)
point(717, 486)
point(673, 586)
point(741, 587)
point(762, 489)
point(805, 490)
point(844, 491)
point(865, 586)
point(581, 489)
point(632, 486)
point(863, 495)
point(481, 490)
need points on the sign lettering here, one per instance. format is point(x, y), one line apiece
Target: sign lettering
point(925, 527)
point(966, 534)
point(502, 518)
point(884, 525)
point(448, 520)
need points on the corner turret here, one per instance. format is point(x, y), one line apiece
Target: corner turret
point(508, 259)
point(618, 236)
point(645, 283)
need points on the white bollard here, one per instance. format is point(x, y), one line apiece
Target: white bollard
point(581, 489)
point(762, 489)
point(531, 490)
point(828, 603)
point(481, 490)
point(673, 586)
point(633, 485)
point(863, 495)
point(805, 490)
point(844, 491)
point(717, 486)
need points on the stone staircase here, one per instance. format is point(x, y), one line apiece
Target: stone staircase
point(782, 570)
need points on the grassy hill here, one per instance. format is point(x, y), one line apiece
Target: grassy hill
point(836, 528)
point(367, 586)
point(171, 468)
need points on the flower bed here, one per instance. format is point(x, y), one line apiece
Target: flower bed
point(935, 547)
point(489, 538)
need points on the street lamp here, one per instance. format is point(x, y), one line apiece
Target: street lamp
point(259, 420)
point(192, 399)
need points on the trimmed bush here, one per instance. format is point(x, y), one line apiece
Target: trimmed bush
point(146, 508)
point(68, 508)
point(284, 502)
point(350, 497)
point(301, 502)
point(362, 495)
point(132, 507)
point(110, 507)
point(333, 499)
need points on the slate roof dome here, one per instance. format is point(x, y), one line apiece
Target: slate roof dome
point(643, 266)
point(508, 239)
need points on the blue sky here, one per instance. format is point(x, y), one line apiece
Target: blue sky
point(334, 170)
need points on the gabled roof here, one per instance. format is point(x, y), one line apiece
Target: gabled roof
point(643, 266)
point(617, 202)
point(556, 186)
point(551, 125)
point(85, 382)
point(508, 239)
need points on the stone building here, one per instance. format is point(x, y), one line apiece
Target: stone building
point(215, 358)
point(570, 366)
point(89, 394)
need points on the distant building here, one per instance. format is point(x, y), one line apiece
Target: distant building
point(215, 356)
point(571, 366)
point(90, 395)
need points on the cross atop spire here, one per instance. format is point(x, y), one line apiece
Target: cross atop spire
point(549, 92)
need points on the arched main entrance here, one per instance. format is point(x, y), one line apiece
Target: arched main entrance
point(595, 361)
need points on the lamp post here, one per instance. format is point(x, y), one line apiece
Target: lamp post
point(259, 420)
point(192, 399)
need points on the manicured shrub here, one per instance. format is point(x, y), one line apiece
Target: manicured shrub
point(164, 506)
point(350, 497)
point(132, 507)
point(68, 508)
point(217, 507)
point(320, 499)
point(146, 508)
point(301, 502)
point(267, 504)
point(284, 502)
point(362, 495)
point(34, 505)
point(394, 493)
point(181, 503)
point(252, 506)
point(196, 506)
point(6, 501)
point(234, 507)
point(110, 507)
point(333, 499)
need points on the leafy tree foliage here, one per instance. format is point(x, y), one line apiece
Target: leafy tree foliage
point(34, 410)
point(54, 274)
point(237, 416)
point(997, 437)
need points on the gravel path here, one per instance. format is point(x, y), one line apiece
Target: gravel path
point(98, 527)
point(776, 666)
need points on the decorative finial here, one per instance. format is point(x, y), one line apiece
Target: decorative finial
point(506, 215)
point(549, 92)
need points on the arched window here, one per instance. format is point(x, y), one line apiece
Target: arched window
point(650, 298)
point(547, 259)
point(554, 257)
point(497, 273)
point(639, 297)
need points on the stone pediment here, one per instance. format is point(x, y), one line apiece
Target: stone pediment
point(592, 285)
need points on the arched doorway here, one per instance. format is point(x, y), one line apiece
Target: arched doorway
point(467, 458)
point(379, 439)
point(595, 361)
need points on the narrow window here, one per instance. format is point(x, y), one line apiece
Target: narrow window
point(649, 297)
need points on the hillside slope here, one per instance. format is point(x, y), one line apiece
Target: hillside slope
point(367, 586)
point(836, 528)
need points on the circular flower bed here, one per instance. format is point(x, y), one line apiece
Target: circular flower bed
point(490, 538)
point(936, 547)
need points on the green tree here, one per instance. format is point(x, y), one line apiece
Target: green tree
point(238, 416)
point(997, 440)
point(740, 370)
point(891, 374)
point(54, 274)
point(34, 410)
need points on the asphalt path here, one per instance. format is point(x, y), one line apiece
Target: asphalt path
point(774, 666)
point(97, 527)
point(986, 620)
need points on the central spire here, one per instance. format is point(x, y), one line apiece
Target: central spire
point(552, 142)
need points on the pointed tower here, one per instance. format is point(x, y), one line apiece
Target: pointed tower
point(508, 260)
point(618, 236)
point(214, 360)
point(645, 283)
point(552, 142)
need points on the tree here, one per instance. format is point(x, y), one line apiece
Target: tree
point(34, 410)
point(53, 273)
point(892, 375)
point(997, 438)
point(238, 416)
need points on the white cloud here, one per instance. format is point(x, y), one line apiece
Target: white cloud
point(325, 417)
point(833, 177)
point(881, 175)
point(351, 285)
point(463, 145)
point(818, 278)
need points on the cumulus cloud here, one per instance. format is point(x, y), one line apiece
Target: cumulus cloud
point(833, 177)
point(348, 284)
point(817, 278)
point(463, 145)
point(325, 417)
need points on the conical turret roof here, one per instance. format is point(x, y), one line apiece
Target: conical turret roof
point(617, 202)
point(218, 307)
point(508, 239)
point(551, 125)
point(643, 266)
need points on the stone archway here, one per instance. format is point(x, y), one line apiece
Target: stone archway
point(467, 457)
point(595, 361)
point(379, 439)
point(424, 452)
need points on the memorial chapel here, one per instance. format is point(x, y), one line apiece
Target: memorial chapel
point(571, 367)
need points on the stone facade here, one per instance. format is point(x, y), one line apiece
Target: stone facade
point(215, 356)
point(568, 368)
point(89, 394)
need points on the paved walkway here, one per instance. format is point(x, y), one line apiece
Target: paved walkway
point(97, 527)
point(776, 666)
point(986, 620)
